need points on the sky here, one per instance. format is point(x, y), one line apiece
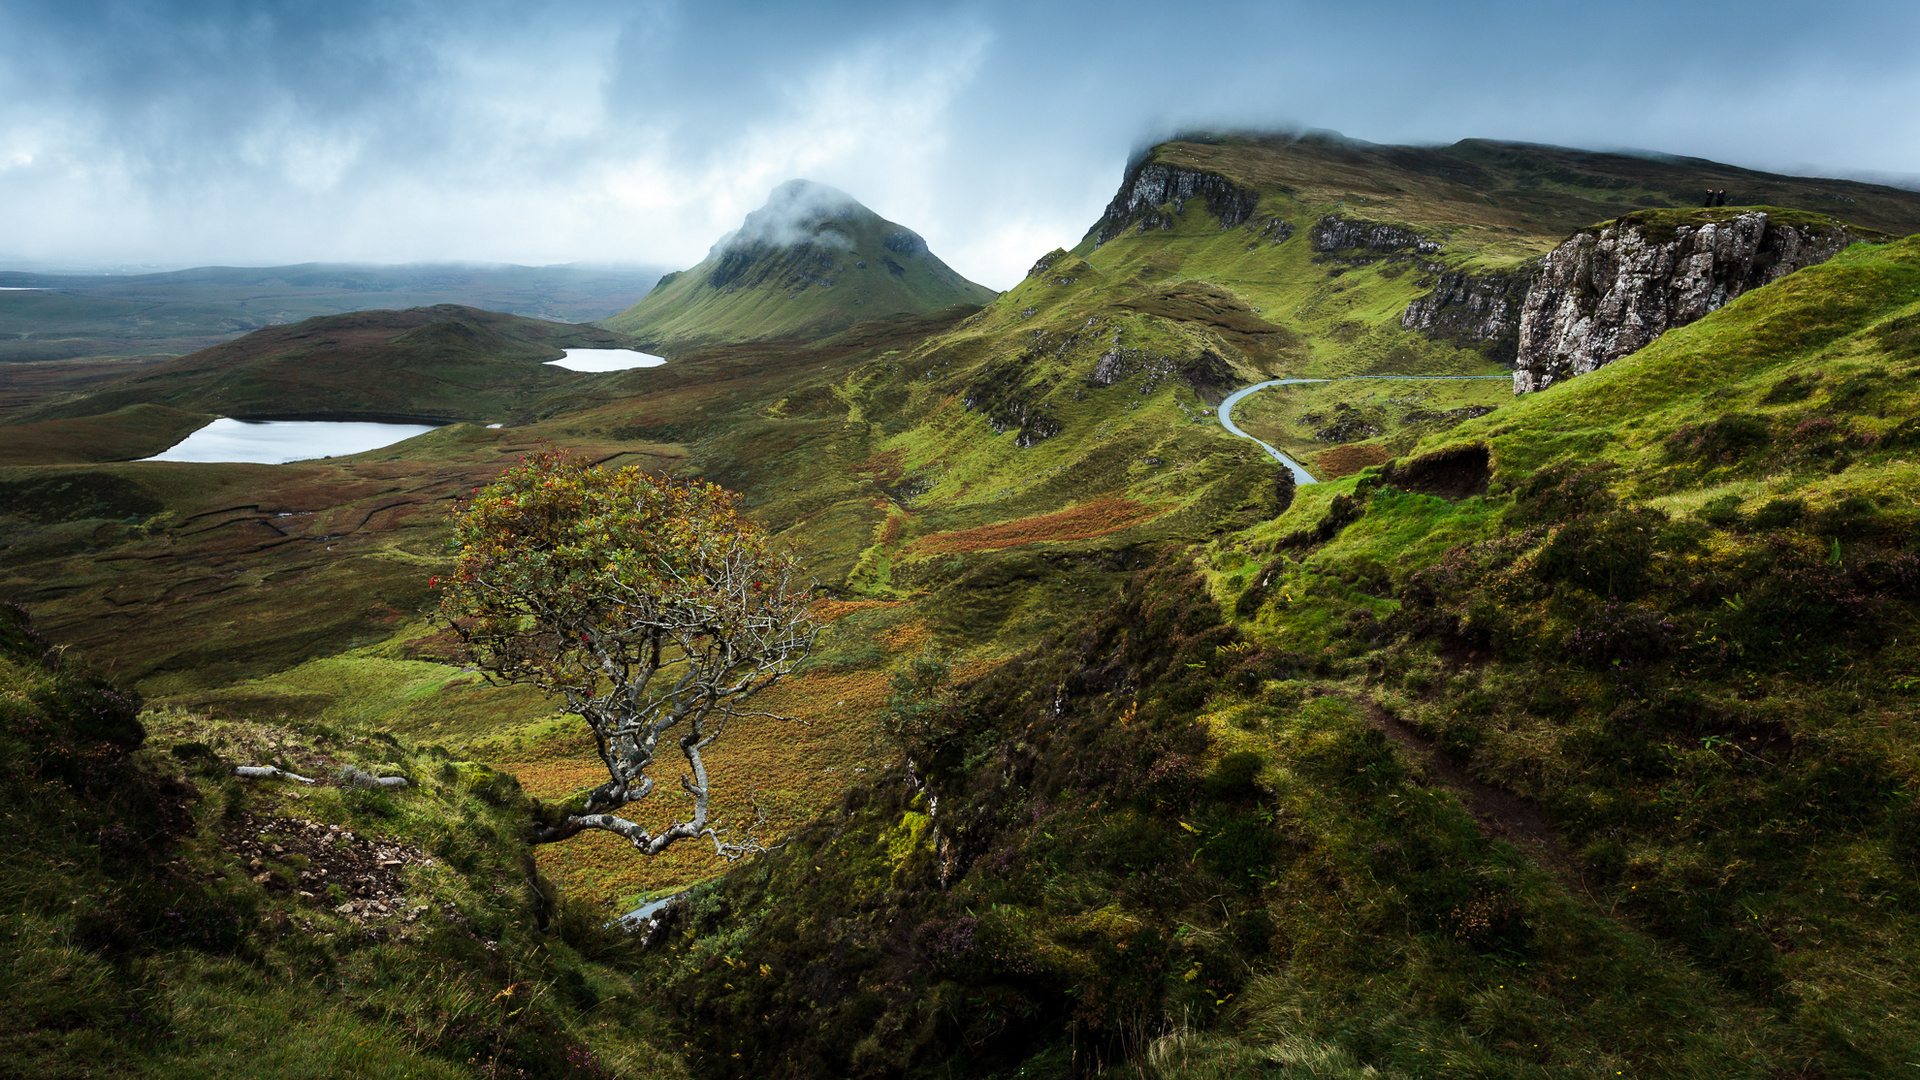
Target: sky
point(173, 133)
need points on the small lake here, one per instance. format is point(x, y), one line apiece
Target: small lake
point(276, 442)
point(607, 360)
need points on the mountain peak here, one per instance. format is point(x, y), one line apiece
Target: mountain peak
point(813, 260)
point(798, 212)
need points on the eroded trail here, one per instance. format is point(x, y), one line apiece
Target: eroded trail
point(1501, 814)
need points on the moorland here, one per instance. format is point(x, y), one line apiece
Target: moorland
point(1563, 733)
point(61, 333)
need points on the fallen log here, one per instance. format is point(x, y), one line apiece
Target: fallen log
point(268, 772)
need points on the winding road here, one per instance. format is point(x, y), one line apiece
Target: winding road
point(1300, 474)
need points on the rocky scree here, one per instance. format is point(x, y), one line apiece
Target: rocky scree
point(1334, 233)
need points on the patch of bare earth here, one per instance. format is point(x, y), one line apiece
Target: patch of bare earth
point(1347, 460)
point(1501, 814)
point(1456, 472)
point(358, 876)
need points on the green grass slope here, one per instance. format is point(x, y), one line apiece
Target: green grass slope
point(165, 919)
point(1094, 376)
point(1075, 412)
point(1608, 770)
point(435, 364)
point(126, 434)
point(1084, 391)
point(810, 262)
point(983, 474)
point(1575, 741)
point(1526, 187)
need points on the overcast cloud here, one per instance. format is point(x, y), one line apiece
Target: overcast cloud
point(179, 133)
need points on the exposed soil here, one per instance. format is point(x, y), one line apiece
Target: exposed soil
point(1457, 472)
point(1461, 653)
point(1347, 460)
point(357, 876)
point(1500, 814)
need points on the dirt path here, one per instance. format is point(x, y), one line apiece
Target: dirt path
point(1500, 814)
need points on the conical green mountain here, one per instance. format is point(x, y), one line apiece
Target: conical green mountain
point(811, 261)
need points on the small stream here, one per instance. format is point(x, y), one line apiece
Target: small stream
point(1300, 473)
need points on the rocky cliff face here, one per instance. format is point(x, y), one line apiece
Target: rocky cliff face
point(1611, 289)
point(1474, 311)
point(1156, 193)
point(1332, 233)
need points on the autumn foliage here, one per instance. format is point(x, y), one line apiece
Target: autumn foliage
point(649, 605)
point(1096, 518)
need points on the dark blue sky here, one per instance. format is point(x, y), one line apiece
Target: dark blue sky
point(183, 132)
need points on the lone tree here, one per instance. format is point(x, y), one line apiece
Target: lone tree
point(650, 605)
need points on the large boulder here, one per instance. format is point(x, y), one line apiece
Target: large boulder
point(1612, 288)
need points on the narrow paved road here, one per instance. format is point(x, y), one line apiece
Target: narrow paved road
point(1300, 474)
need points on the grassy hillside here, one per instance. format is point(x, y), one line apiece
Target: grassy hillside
point(1607, 771)
point(300, 591)
point(1566, 735)
point(811, 262)
point(174, 921)
point(968, 486)
point(1499, 186)
point(436, 364)
point(126, 434)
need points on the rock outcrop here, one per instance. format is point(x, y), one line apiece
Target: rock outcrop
point(1475, 311)
point(1156, 194)
point(1273, 230)
point(1333, 233)
point(1611, 289)
point(1002, 395)
point(1057, 267)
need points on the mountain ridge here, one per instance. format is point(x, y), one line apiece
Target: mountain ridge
point(434, 364)
point(58, 316)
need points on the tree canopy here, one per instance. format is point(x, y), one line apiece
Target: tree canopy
point(650, 605)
